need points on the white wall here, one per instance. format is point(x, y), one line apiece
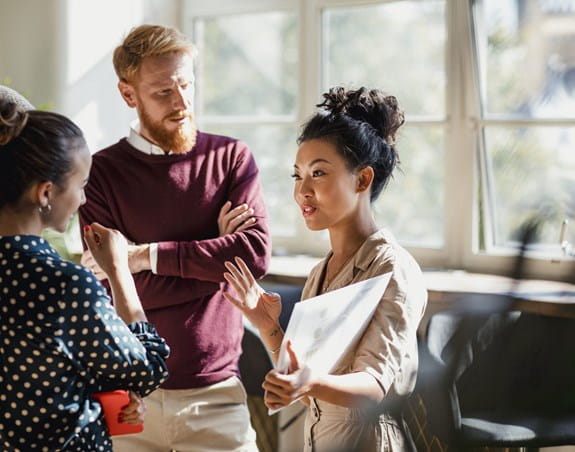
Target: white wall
point(59, 54)
point(30, 55)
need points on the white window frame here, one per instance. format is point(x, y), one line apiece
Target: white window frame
point(462, 122)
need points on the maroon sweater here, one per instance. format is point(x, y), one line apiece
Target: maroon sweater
point(175, 200)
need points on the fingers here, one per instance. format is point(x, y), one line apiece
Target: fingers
point(134, 412)
point(234, 220)
point(277, 393)
point(88, 261)
point(240, 280)
point(272, 401)
point(93, 234)
point(238, 218)
point(246, 224)
point(238, 288)
point(89, 238)
point(236, 212)
point(294, 362)
point(245, 271)
point(224, 210)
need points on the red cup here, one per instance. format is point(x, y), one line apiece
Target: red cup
point(112, 403)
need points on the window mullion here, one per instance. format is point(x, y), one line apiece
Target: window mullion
point(460, 180)
point(309, 79)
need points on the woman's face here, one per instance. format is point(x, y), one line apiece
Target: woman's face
point(325, 189)
point(70, 195)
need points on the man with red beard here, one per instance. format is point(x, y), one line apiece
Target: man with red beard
point(189, 201)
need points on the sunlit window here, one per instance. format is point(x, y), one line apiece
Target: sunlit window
point(247, 88)
point(399, 47)
point(488, 88)
point(527, 82)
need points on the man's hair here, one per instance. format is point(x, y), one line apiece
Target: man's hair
point(145, 41)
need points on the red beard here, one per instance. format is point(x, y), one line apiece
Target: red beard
point(178, 141)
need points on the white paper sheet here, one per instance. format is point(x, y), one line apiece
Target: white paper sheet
point(322, 329)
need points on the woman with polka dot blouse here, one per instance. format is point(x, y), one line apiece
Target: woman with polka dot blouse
point(61, 340)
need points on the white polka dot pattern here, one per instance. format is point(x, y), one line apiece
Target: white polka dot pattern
point(61, 341)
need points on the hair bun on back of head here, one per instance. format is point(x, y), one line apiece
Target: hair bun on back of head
point(14, 96)
point(13, 119)
point(371, 106)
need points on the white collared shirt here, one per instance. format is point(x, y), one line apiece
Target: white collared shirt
point(141, 143)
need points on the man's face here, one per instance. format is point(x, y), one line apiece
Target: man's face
point(162, 93)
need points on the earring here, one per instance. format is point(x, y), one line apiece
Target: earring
point(45, 210)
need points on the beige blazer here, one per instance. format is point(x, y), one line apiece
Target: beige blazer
point(387, 351)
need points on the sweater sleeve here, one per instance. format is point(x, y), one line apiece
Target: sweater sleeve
point(204, 259)
point(100, 206)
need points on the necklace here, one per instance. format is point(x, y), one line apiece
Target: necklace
point(327, 280)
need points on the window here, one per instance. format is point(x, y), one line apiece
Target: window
point(413, 70)
point(488, 88)
point(249, 91)
point(527, 80)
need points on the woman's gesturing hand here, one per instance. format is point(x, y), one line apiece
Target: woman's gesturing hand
point(261, 308)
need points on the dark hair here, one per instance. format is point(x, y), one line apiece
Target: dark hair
point(34, 146)
point(362, 125)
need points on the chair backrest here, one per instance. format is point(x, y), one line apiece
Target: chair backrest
point(507, 361)
point(254, 363)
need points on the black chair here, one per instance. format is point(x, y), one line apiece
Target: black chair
point(504, 379)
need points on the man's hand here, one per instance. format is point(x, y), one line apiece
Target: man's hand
point(139, 258)
point(88, 261)
point(236, 219)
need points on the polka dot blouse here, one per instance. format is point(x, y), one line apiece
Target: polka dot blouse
point(61, 341)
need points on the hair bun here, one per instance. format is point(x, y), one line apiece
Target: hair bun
point(14, 96)
point(371, 106)
point(12, 120)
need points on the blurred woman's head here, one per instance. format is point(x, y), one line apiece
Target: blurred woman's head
point(44, 165)
point(347, 152)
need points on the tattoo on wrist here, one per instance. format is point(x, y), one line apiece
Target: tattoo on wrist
point(275, 332)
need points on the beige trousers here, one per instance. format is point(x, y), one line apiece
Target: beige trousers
point(210, 419)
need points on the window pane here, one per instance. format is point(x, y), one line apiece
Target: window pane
point(527, 58)
point(412, 204)
point(533, 172)
point(247, 64)
point(274, 148)
point(398, 47)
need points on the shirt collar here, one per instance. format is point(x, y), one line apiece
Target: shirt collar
point(371, 248)
point(141, 143)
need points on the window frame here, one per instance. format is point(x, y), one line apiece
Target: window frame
point(464, 162)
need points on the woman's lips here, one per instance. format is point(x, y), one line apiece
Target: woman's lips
point(308, 210)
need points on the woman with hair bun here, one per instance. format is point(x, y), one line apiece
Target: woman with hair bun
point(61, 340)
point(346, 157)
